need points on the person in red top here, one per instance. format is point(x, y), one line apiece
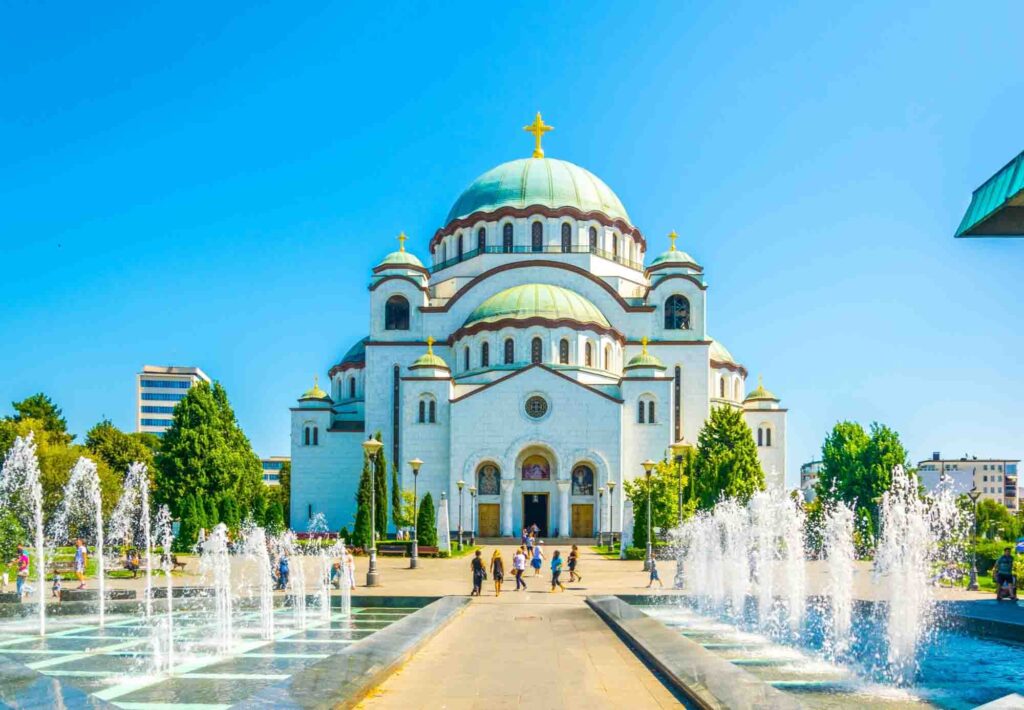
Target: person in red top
point(22, 560)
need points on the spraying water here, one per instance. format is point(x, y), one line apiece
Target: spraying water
point(763, 523)
point(794, 565)
point(838, 545)
point(165, 535)
point(81, 496)
point(21, 491)
point(256, 547)
point(216, 561)
point(130, 521)
point(346, 579)
point(317, 528)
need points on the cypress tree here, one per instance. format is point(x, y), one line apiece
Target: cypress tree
point(188, 532)
point(426, 523)
point(212, 515)
point(380, 482)
point(396, 497)
point(274, 518)
point(640, 523)
point(361, 532)
point(726, 463)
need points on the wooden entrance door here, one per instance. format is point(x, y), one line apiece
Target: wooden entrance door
point(488, 519)
point(582, 520)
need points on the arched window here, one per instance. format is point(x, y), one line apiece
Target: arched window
point(760, 436)
point(736, 391)
point(608, 357)
point(768, 436)
point(423, 412)
point(481, 240)
point(677, 313)
point(566, 238)
point(615, 245)
point(441, 253)
point(510, 351)
point(650, 412)
point(305, 436)
point(593, 238)
point(537, 236)
point(396, 313)
point(506, 238)
point(351, 388)
point(588, 355)
point(433, 411)
point(721, 387)
point(459, 247)
point(640, 412)
point(485, 355)
point(465, 359)
point(536, 350)
point(563, 351)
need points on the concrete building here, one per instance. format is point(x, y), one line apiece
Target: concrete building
point(995, 479)
point(272, 469)
point(809, 480)
point(158, 390)
point(537, 359)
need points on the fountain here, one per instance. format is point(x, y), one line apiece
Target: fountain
point(840, 560)
point(130, 521)
point(346, 580)
point(215, 561)
point(165, 535)
point(21, 490)
point(81, 493)
point(256, 547)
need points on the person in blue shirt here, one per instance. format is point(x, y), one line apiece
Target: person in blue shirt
point(282, 571)
point(81, 557)
point(556, 571)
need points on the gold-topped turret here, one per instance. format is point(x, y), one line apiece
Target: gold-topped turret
point(401, 241)
point(672, 237)
point(643, 345)
point(538, 128)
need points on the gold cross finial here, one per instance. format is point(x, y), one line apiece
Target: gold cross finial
point(401, 241)
point(672, 236)
point(760, 381)
point(538, 128)
point(643, 344)
point(430, 344)
point(316, 381)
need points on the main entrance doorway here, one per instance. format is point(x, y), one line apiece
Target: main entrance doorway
point(582, 520)
point(489, 520)
point(535, 511)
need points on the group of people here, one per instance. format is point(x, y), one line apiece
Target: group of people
point(23, 569)
point(531, 550)
point(343, 571)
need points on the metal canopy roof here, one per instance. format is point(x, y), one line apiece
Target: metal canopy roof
point(997, 207)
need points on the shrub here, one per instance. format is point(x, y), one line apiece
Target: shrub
point(426, 523)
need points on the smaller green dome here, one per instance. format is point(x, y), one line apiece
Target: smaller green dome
point(314, 392)
point(401, 258)
point(538, 301)
point(644, 359)
point(760, 393)
point(673, 256)
point(720, 353)
point(429, 359)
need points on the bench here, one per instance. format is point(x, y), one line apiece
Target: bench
point(428, 550)
point(65, 568)
point(392, 550)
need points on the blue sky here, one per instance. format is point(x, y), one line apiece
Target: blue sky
point(210, 184)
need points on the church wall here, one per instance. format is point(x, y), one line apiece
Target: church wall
point(773, 458)
point(324, 477)
point(427, 442)
point(645, 441)
point(667, 286)
point(380, 295)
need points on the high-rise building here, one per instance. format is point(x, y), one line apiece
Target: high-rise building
point(272, 466)
point(993, 479)
point(809, 473)
point(158, 390)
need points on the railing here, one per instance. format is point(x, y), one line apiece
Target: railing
point(520, 249)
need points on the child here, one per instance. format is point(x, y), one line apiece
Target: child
point(654, 574)
point(55, 591)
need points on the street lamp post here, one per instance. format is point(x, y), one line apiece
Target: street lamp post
point(472, 516)
point(974, 494)
point(371, 446)
point(460, 484)
point(600, 516)
point(414, 558)
point(611, 514)
point(648, 469)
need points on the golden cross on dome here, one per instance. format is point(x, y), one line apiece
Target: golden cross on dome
point(672, 237)
point(401, 241)
point(760, 381)
point(316, 381)
point(430, 344)
point(538, 128)
point(643, 344)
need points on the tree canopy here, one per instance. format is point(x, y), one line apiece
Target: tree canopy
point(120, 449)
point(205, 453)
point(726, 464)
point(42, 409)
point(856, 466)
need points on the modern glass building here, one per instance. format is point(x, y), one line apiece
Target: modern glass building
point(158, 390)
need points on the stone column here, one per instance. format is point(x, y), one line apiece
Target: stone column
point(507, 484)
point(563, 509)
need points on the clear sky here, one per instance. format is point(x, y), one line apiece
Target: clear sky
point(202, 184)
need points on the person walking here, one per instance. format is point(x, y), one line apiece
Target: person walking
point(556, 571)
point(654, 574)
point(282, 571)
point(81, 557)
point(529, 546)
point(22, 562)
point(518, 567)
point(497, 571)
point(574, 559)
point(479, 574)
point(537, 559)
point(350, 568)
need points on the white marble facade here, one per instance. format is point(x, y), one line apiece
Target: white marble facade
point(550, 276)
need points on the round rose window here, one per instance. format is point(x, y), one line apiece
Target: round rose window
point(536, 407)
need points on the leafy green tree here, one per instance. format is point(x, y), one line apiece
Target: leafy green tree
point(994, 521)
point(212, 513)
point(258, 513)
point(842, 462)
point(426, 525)
point(407, 512)
point(229, 512)
point(274, 519)
point(117, 448)
point(726, 464)
point(361, 536)
point(284, 490)
point(380, 482)
point(640, 521)
point(188, 532)
point(667, 478)
point(41, 408)
point(11, 535)
point(205, 452)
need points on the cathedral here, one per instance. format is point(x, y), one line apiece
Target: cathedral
point(532, 367)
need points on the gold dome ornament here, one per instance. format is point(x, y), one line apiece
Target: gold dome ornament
point(538, 128)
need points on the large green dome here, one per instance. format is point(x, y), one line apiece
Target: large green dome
point(538, 181)
point(537, 301)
